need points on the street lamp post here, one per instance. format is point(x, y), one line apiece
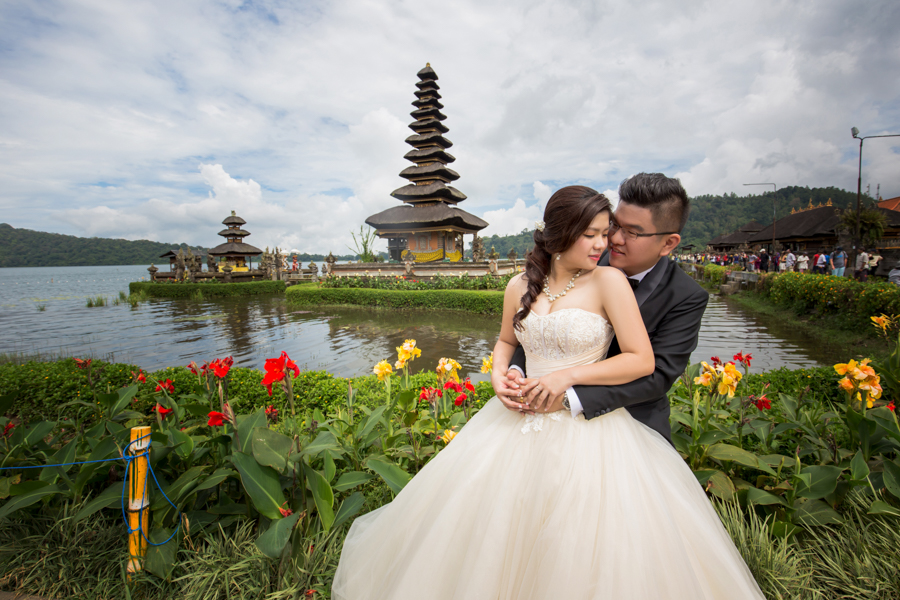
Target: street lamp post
point(774, 200)
point(855, 132)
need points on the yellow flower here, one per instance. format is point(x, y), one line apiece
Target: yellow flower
point(449, 434)
point(400, 364)
point(704, 379)
point(410, 347)
point(842, 368)
point(487, 364)
point(846, 384)
point(447, 369)
point(883, 322)
point(382, 369)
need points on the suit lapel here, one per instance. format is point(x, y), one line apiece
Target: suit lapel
point(651, 281)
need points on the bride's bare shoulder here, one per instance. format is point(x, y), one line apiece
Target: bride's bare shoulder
point(608, 276)
point(518, 284)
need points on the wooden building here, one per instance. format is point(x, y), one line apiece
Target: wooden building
point(234, 252)
point(429, 226)
point(736, 240)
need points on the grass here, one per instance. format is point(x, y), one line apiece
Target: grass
point(98, 301)
point(41, 307)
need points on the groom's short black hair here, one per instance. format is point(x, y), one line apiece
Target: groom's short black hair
point(664, 196)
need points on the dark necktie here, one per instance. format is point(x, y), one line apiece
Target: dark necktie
point(634, 283)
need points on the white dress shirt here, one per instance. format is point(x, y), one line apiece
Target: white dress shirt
point(574, 402)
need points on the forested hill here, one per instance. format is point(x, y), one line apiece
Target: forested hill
point(27, 248)
point(712, 216)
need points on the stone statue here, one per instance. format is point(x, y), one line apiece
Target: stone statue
point(477, 249)
point(512, 254)
point(211, 265)
point(493, 255)
point(152, 269)
point(179, 265)
point(314, 270)
point(278, 264)
point(329, 263)
point(408, 264)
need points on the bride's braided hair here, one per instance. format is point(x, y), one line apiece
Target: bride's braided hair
point(568, 214)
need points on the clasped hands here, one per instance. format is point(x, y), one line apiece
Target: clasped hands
point(527, 395)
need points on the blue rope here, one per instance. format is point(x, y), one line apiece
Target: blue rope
point(128, 458)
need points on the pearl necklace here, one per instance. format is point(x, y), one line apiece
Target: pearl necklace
point(553, 297)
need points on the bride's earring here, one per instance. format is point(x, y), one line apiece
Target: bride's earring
point(558, 256)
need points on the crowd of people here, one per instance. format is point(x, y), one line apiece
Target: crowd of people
point(824, 262)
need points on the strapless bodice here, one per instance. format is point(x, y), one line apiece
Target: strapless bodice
point(563, 338)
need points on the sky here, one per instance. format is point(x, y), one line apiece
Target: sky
point(154, 120)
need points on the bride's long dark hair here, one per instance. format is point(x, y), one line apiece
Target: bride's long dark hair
point(568, 214)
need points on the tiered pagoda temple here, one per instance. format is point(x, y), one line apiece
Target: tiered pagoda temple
point(234, 252)
point(429, 226)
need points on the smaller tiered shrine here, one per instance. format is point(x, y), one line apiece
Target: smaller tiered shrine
point(234, 252)
point(429, 226)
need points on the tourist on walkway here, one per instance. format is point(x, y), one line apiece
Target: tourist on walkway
point(753, 262)
point(763, 260)
point(894, 275)
point(790, 260)
point(874, 259)
point(838, 262)
point(862, 265)
point(821, 262)
point(803, 262)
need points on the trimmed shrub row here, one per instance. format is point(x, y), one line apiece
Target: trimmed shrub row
point(830, 295)
point(209, 290)
point(484, 302)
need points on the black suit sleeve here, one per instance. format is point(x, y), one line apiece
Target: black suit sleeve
point(673, 341)
point(518, 359)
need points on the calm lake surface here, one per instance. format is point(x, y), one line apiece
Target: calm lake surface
point(344, 341)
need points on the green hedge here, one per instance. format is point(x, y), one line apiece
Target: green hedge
point(485, 302)
point(209, 290)
point(830, 295)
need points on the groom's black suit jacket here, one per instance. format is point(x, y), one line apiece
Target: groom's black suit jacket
point(672, 305)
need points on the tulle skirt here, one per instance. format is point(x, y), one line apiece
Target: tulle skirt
point(553, 508)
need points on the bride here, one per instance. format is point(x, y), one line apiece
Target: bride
point(527, 505)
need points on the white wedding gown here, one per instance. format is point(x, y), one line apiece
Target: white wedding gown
point(547, 507)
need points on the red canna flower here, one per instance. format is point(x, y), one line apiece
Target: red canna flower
point(715, 360)
point(460, 399)
point(193, 368)
point(310, 593)
point(468, 385)
point(452, 385)
point(216, 419)
point(891, 406)
point(163, 411)
point(285, 512)
point(8, 429)
point(221, 366)
point(82, 364)
point(762, 403)
point(277, 369)
point(139, 376)
point(744, 359)
point(166, 385)
point(272, 413)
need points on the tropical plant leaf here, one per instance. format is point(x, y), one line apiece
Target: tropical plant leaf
point(322, 494)
point(711, 437)
point(273, 541)
point(324, 441)
point(758, 496)
point(738, 455)
point(349, 507)
point(816, 512)
point(720, 485)
point(36, 494)
point(270, 448)
point(160, 560)
point(108, 497)
point(394, 476)
point(215, 478)
point(880, 507)
point(859, 470)
point(262, 484)
point(822, 481)
point(371, 421)
point(6, 403)
point(351, 479)
point(892, 477)
point(245, 427)
point(181, 442)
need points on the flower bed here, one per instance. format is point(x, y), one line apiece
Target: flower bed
point(827, 295)
point(484, 302)
point(438, 282)
point(208, 290)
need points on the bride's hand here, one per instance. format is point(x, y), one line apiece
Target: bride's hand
point(548, 389)
point(509, 389)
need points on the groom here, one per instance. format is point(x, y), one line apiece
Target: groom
point(647, 226)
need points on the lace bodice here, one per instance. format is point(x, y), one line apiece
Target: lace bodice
point(564, 334)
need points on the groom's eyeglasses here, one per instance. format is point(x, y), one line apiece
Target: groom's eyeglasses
point(633, 235)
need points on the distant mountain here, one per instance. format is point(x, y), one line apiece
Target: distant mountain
point(27, 248)
point(712, 216)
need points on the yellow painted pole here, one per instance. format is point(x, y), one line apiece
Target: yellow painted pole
point(138, 505)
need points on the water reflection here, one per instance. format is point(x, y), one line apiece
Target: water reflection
point(344, 341)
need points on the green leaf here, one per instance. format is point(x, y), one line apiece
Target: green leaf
point(880, 507)
point(181, 442)
point(230, 509)
point(28, 498)
point(394, 476)
point(371, 421)
point(349, 507)
point(217, 477)
point(103, 450)
point(351, 479)
point(783, 529)
point(245, 427)
point(322, 494)
point(262, 484)
point(738, 455)
point(109, 497)
point(816, 512)
point(6, 403)
point(124, 399)
point(329, 469)
point(38, 432)
point(270, 448)
point(859, 470)
point(276, 537)
point(892, 477)
point(160, 560)
point(711, 437)
point(758, 496)
point(822, 481)
point(324, 441)
point(66, 454)
point(721, 485)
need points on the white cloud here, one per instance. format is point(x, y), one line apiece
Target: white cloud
point(512, 220)
point(106, 109)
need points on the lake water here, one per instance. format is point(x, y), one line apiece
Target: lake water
point(344, 341)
